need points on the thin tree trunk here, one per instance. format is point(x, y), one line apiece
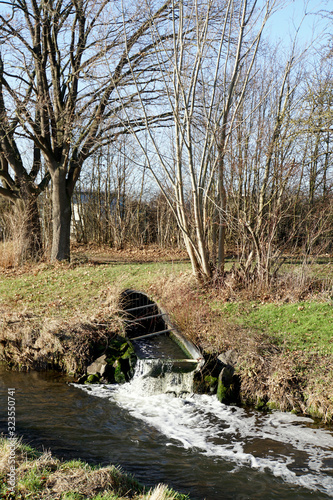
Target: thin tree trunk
point(222, 211)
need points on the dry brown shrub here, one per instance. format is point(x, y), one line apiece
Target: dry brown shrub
point(272, 378)
point(300, 382)
point(15, 249)
point(8, 254)
point(189, 307)
point(297, 283)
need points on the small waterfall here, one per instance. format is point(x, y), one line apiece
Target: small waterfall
point(158, 376)
point(166, 359)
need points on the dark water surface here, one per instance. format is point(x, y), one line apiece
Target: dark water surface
point(195, 445)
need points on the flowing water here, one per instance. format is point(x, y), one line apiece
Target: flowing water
point(192, 443)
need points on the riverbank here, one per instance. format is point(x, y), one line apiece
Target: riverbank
point(54, 316)
point(40, 476)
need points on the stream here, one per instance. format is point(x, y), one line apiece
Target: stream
point(192, 443)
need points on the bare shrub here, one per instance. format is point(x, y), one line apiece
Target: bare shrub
point(191, 311)
point(272, 378)
point(18, 245)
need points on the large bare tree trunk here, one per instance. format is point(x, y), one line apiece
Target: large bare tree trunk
point(33, 232)
point(61, 217)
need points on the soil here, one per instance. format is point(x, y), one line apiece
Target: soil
point(105, 254)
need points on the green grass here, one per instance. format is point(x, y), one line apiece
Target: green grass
point(62, 290)
point(34, 479)
point(306, 326)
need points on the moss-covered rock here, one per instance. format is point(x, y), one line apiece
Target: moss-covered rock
point(222, 392)
point(92, 379)
point(119, 375)
point(114, 365)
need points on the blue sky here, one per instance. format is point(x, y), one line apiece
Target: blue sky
point(284, 23)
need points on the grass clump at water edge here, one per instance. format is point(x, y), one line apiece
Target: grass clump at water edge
point(40, 476)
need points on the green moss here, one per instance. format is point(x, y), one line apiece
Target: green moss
point(128, 352)
point(271, 405)
point(119, 375)
point(222, 392)
point(260, 404)
point(92, 379)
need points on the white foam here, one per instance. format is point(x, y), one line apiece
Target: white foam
point(202, 423)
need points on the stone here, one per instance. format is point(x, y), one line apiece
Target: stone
point(225, 380)
point(229, 357)
point(98, 366)
point(82, 379)
point(226, 375)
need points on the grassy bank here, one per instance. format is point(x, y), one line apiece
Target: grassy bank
point(282, 335)
point(40, 476)
point(283, 340)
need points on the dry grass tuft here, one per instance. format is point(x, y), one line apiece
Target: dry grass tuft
point(45, 462)
point(15, 250)
point(161, 492)
point(299, 382)
point(8, 254)
point(86, 481)
point(25, 458)
point(318, 390)
point(4, 456)
point(111, 305)
point(270, 379)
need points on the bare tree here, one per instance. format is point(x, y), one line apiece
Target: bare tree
point(204, 73)
point(56, 93)
point(24, 187)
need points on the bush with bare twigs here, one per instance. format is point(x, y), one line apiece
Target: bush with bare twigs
point(20, 240)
